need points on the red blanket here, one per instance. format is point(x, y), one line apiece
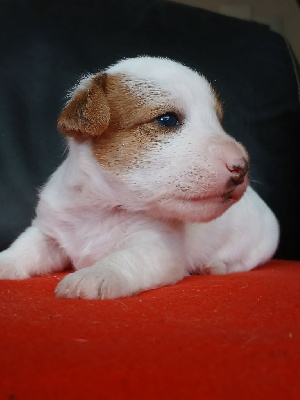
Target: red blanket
point(207, 337)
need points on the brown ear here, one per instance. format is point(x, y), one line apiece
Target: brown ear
point(87, 113)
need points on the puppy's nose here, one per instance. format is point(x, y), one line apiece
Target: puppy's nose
point(238, 171)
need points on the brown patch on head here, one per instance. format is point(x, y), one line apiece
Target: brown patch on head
point(87, 113)
point(218, 105)
point(133, 130)
point(118, 116)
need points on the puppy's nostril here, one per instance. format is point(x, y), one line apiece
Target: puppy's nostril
point(235, 169)
point(238, 172)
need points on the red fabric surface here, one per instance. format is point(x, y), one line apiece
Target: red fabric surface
point(210, 337)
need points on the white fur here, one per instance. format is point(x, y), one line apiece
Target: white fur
point(159, 220)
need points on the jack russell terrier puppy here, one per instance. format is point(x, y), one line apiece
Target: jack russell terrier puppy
point(152, 189)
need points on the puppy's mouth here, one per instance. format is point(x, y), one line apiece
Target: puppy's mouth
point(225, 197)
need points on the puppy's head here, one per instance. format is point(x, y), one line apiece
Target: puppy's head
point(155, 125)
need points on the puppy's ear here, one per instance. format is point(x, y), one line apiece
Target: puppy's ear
point(87, 113)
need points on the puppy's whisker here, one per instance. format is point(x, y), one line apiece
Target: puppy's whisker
point(255, 181)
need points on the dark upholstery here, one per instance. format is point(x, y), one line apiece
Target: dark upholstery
point(47, 45)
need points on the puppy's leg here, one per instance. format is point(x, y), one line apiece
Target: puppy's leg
point(32, 253)
point(124, 273)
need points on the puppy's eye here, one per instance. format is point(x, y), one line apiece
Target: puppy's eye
point(168, 120)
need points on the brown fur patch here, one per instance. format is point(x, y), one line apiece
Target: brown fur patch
point(118, 116)
point(87, 114)
point(132, 128)
point(218, 105)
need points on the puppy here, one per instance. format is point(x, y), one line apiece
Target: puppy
point(152, 189)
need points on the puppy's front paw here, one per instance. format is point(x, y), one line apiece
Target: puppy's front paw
point(95, 282)
point(216, 267)
point(9, 267)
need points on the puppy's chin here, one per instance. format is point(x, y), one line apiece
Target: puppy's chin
point(191, 211)
point(197, 209)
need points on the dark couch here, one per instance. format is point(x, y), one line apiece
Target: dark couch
point(47, 45)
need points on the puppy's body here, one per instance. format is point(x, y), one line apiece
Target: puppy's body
point(138, 204)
